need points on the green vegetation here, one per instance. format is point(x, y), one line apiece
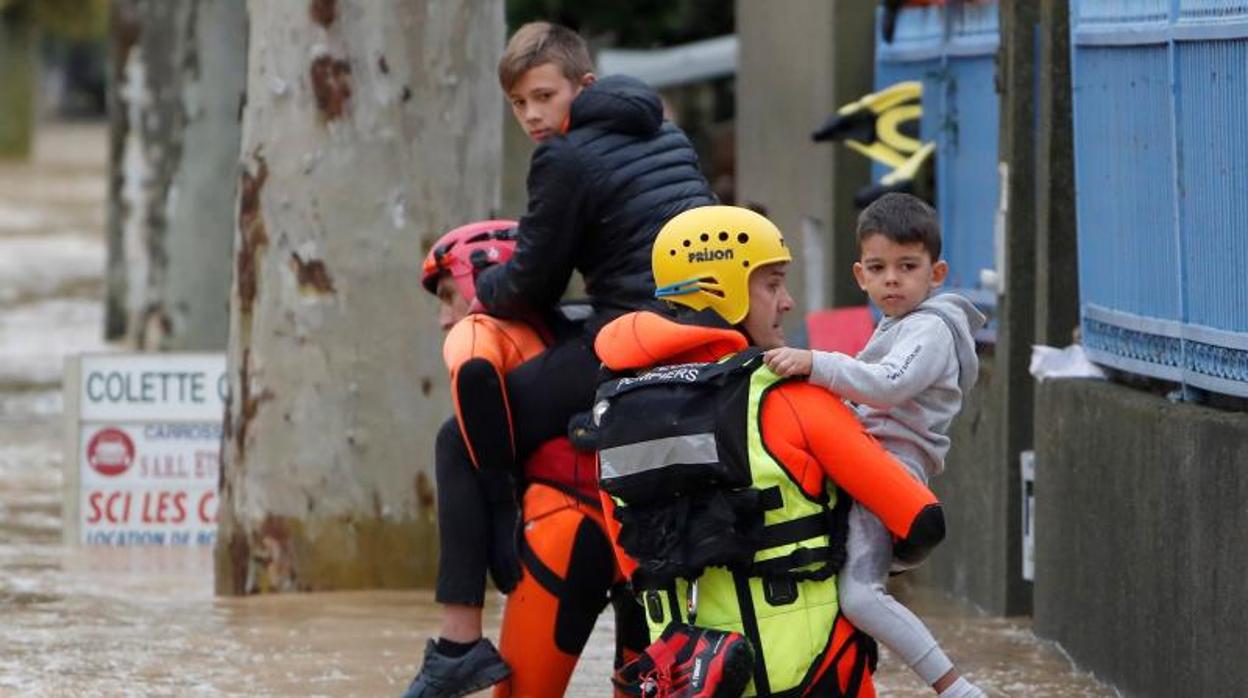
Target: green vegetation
point(635, 24)
point(21, 24)
point(73, 19)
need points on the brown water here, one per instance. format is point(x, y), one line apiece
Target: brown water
point(120, 622)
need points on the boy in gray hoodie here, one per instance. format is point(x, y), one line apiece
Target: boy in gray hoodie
point(908, 383)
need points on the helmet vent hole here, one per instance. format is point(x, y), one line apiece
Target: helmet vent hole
point(673, 251)
point(711, 290)
point(687, 243)
point(746, 264)
point(723, 236)
point(743, 238)
point(706, 237)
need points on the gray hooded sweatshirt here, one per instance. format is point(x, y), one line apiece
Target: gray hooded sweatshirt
point(910, 378)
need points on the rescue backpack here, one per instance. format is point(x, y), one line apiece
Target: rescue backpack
point(673, 455)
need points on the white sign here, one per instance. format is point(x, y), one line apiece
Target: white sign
point(166, 387)
point(146, 438)
point(149, 484)
point(1027, 466)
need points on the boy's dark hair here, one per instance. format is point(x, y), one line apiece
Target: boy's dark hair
point(538, 43)
point(902, 218)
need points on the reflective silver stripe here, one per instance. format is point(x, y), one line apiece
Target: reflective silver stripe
point(631, 459)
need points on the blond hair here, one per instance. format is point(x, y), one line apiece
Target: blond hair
point(538, 43)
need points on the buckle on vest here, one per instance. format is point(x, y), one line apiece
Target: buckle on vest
point(779, 591)
point(654, 605)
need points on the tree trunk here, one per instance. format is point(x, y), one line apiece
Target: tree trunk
point(145, 127)
point(371, 126)
point(191, 310)
point(17, 86)
point(178, 73)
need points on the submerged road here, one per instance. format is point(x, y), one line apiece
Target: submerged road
point(113, 622)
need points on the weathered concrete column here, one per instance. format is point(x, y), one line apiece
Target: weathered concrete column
point(517, 152)
point(1013, 382)
point(798, 62)
point(981, 559)
point(371, 127)
point(1057, 260)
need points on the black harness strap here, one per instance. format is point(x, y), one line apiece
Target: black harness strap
point(790, 566)
point(794, 531)
point(770, 498)
point(866, 659)
point(568, 490)
point(674, 603)
point(749, 623)
point(542, 574)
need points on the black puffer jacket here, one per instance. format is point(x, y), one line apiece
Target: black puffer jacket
point(597, 197)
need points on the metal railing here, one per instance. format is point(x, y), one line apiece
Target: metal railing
point(1161, 175)
point(951, 49)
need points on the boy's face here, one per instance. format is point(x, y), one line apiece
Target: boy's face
point(542, 99)
point(769, 301)
point(452, 306)
point(897, 277)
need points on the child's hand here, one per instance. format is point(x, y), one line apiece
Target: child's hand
point(787, 361)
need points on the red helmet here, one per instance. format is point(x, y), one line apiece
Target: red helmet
point(467, 250)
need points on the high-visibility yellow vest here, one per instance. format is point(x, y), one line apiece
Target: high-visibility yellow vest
point(784, 599)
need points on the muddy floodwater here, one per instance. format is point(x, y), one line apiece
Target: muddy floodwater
point(119, 622)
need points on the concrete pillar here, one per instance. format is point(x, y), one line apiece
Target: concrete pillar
point(981, 559)
point(1057, 263)
point(517, 151)
point(1016, 333)
point(798, 62)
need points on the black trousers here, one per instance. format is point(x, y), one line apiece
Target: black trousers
point(544, 393)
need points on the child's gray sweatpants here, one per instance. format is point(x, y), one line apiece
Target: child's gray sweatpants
point(867, 604)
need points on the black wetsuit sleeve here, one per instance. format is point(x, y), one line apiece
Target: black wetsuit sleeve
point(486, 421)
point(548, 236)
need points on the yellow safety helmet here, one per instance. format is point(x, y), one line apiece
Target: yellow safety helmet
point(703, 258)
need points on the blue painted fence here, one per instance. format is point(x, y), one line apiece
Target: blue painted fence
point(1161, 177)
point(951, 50)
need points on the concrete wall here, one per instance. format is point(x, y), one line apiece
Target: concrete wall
point(1141, 513)
point(976, 493)
point(795, 68)
point(517, 153)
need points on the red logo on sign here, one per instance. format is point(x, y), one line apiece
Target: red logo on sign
point(110, 451)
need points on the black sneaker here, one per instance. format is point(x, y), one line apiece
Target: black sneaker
point(441, 676)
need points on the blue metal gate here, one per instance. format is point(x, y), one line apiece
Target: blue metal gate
point(1161, 171)
point(951, 50)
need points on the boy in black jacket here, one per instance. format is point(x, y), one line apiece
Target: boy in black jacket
point(607, 174)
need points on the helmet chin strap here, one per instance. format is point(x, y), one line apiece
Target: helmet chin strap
point(740, 327)
point(679, 288)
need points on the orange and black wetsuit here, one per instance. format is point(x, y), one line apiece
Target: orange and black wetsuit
point(569, 569)
point(813, 436)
